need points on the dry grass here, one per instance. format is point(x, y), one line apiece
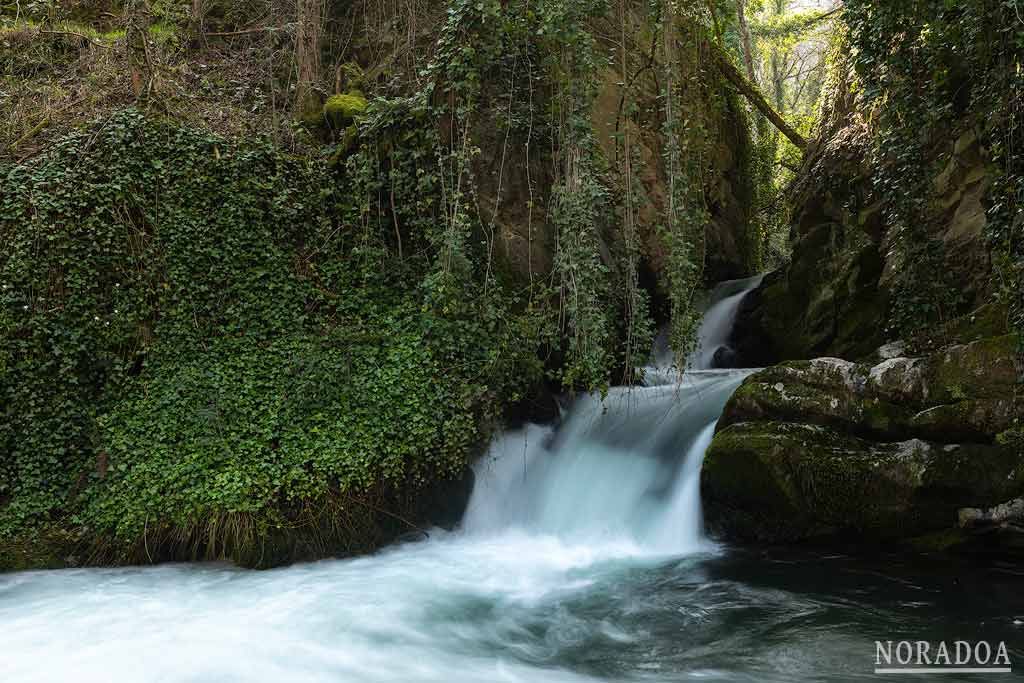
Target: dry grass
point(340, 524)
point(235, 80)
point(59, 78)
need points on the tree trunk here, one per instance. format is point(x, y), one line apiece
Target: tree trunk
point(196, 19)
point(137, 43)
point(748, 53)
point(750, 91)
point(307, 51)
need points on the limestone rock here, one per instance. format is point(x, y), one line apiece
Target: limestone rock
point(999, 529)
point(833, 297)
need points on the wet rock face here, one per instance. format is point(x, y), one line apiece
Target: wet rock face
point(890, 450)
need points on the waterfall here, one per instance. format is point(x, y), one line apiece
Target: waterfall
point(578, 562)
point(715, 328)
point(622, 471)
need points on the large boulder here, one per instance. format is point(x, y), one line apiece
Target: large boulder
point(882, 451)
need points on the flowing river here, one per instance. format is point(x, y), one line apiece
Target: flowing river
point(581, 557)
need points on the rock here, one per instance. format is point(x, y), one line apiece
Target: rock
point(987, 368)
point(891, 350)
point(527, 234)
point(1010, 513)
point(725, 357)
point(826, 300)
point(998, 530)
point(891, 450)
point(964, 392)
point(971, 420)
point(783, 481)
point(831, 306)
point(833, 296)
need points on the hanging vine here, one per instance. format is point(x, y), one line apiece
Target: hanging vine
point(685, 155)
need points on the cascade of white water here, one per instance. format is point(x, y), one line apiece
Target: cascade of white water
point(625, 469)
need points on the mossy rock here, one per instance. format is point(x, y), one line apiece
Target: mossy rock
point(345, 146)
point(962, 393)
point(824, 392)
point(778, 481)
point(968, 420)
point(340, 110)
point(829, 305)
point(310, 110)
point(990, 320)
point(987, 368)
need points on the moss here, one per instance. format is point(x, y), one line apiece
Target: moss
point(65, 30)
point(819, 393)
point(162, 33)
point(1012, 438)
point(352, 76)
point(883, 417)
point(986, 368)
point(773, 481)
point(753, 489)
point(345, 147)
point(340, 110)
point(987, 321)
point(939, 541)
point(737, 467)
point(973, 420)
point(973, 475)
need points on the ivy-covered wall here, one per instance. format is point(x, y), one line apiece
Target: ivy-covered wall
point(197, 353)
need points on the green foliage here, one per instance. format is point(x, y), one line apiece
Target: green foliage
point(579, 199)
point(792, 50)
point(934, 64)
point(192, 329)
point(263, 428)
point(788, 27)
point(577, 207)
point(685, 155)
point(602, 319)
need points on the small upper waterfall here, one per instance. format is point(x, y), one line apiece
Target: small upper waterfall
point(622, 470)
point(713, 349)
point(713, 336)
